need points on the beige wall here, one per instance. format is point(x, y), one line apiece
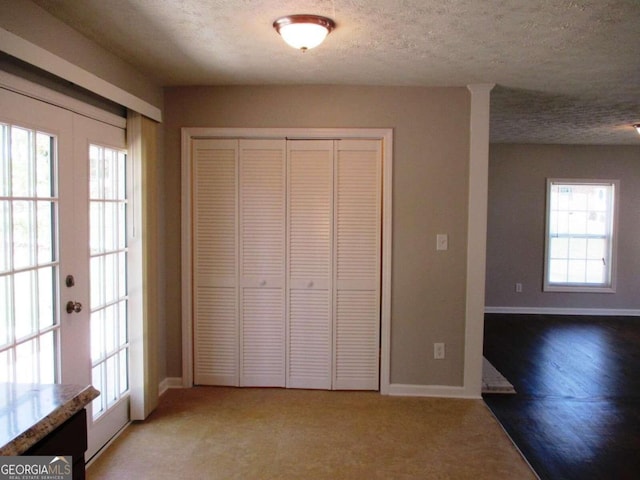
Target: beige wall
point(430, 184)
point(430, 191)
point(516, 222)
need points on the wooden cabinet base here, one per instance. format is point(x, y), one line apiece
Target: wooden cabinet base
point(69, 439)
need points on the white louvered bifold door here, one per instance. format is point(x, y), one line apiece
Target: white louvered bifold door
point(310, 198)
point(262, 262)
point(215, 260)
point(357, 264)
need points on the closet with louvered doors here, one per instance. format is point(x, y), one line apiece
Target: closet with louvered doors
point(310, 263)
point(239, 262)
point(286, 262)
point(214, 212)
point(357, 246)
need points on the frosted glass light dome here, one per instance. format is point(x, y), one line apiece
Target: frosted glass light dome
point(304, 31)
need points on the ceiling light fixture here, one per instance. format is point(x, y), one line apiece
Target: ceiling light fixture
point(637, 127)
point(304, 31)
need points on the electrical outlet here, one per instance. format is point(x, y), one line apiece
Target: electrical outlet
point(438, 351)
point(518, 288)
point(442, 241)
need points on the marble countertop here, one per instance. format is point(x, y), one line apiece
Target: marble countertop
point(28, 413)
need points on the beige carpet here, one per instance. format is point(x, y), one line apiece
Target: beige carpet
point(228, 433)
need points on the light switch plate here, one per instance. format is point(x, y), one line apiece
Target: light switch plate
point(442, 241)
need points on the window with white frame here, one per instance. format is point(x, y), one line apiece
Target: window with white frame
point(581, 235)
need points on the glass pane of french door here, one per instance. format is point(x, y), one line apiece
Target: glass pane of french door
point(101, 173)
point(108, 267)
point(29, 260)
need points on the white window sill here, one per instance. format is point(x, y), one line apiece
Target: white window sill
point(579, 289)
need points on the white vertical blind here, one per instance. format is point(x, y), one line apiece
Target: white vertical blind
point(262, 262)
point(357, 264)
point(215, 262)
point(310, 200)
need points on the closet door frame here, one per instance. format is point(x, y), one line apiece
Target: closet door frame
point(383, 134)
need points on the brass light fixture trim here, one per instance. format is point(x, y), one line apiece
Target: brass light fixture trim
point(304, 31)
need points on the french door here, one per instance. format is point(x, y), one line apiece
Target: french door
point(63, 256)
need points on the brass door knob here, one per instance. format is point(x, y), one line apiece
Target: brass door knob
point(74, 307)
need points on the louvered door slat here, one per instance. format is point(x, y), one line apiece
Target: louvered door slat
point(215, 258)
point(357, 265)
point(262, 337)
point(262, 262)
point(310, 189)
point(216, 337)
point(309, 339)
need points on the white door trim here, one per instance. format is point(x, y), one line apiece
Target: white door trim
point(30, 89)
point(384, 134)
point(476, 236)
point(35, 55)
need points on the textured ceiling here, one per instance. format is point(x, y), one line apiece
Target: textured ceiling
point(567, 71)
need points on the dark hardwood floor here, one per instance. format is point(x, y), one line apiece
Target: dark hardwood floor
point(576, 413)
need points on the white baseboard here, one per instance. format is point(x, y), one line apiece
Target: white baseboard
point(169, 382)
point(614, 312)
point(442, 391)
point(106, 445)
